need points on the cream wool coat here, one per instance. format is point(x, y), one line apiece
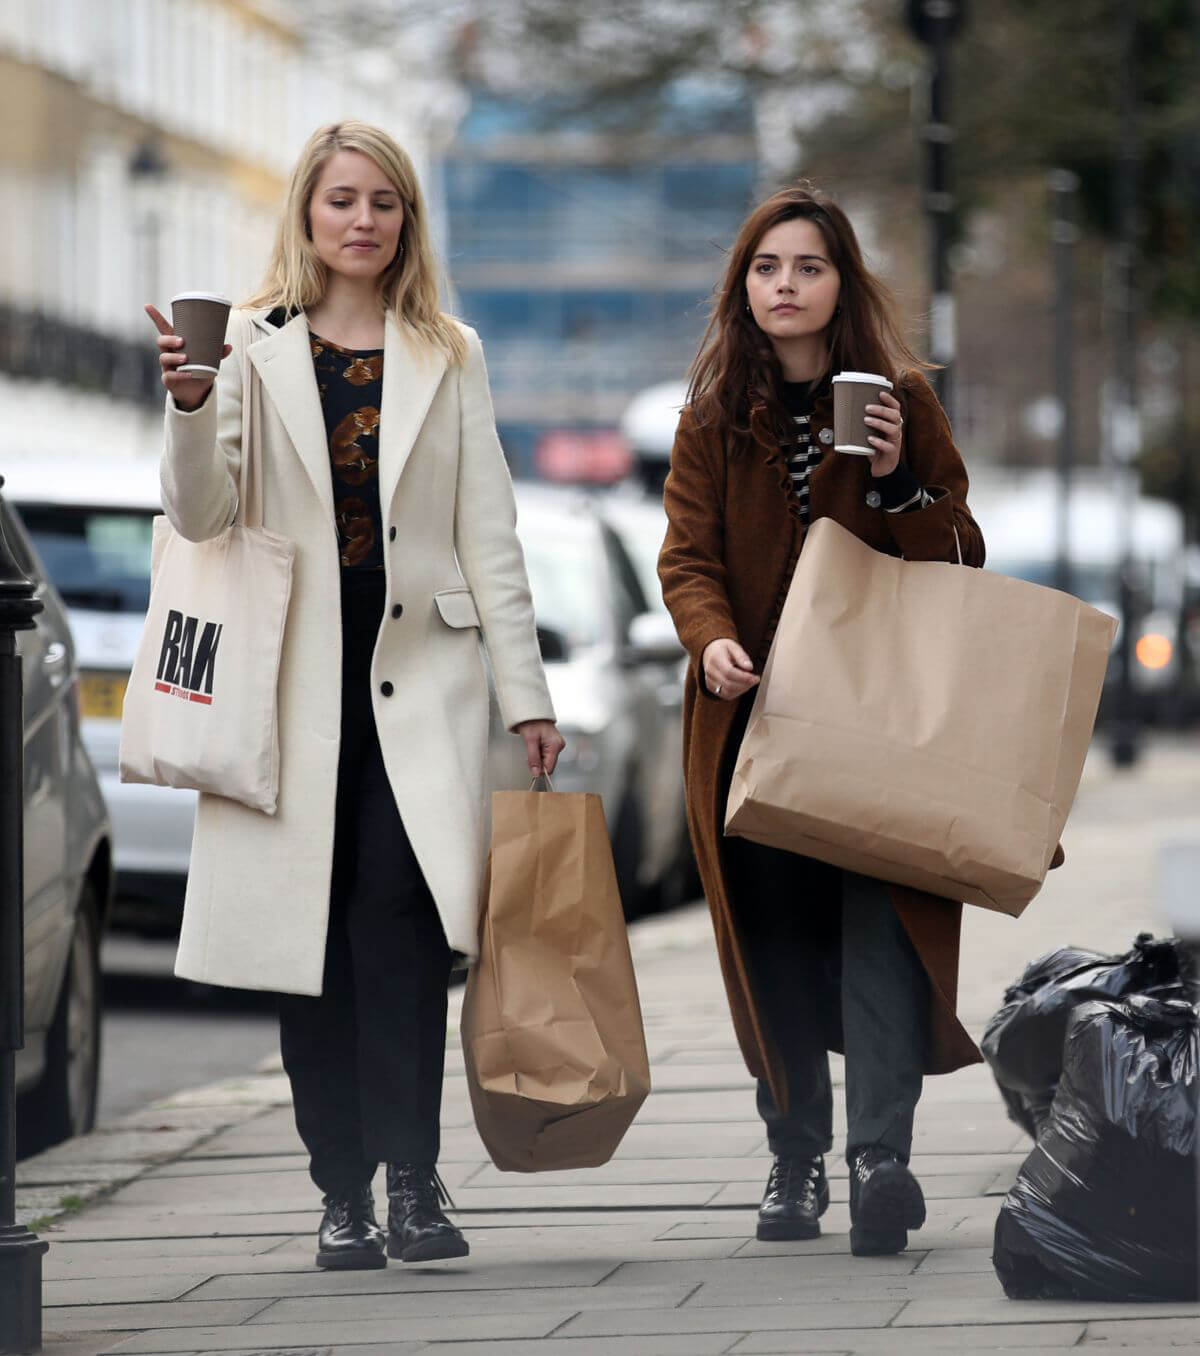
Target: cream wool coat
point(257, 904)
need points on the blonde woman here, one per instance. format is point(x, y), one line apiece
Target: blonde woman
point(380, 461)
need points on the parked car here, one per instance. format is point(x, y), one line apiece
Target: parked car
point(1018, 515)
point(90, 521)
point(605, 651)
point(641, 522)
point(68, 877)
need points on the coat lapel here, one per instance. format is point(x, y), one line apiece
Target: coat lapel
point(411, 376)
point(283, 360)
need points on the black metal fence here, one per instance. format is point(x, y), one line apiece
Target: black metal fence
point(42, 347)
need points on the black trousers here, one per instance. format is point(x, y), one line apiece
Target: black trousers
point(828, 975)
point(366, 1059)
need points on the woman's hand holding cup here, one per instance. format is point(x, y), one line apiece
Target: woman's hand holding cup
point(189, 388)
point(885, 418)
point(728, 669)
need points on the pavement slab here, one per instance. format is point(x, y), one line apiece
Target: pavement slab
point(120, 1289)
point(477, 1328)
point(197, 1228)
point(731, 1318)
point(1029, 1339)
point(152, 1314)
point(1134, 1332)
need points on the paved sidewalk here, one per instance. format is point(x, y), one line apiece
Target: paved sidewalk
point(199, 1235)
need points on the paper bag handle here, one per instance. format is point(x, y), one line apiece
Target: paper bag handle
point(542, 777)
point(957, 544)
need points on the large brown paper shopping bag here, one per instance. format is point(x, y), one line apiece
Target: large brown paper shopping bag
point(552, 1026)
point(920, 722)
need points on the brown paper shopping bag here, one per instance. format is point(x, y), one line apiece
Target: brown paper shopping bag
point(552, 1026)
point(920, 722)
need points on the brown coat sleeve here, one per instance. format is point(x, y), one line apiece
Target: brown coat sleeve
point(928, 533)
point(691, 564)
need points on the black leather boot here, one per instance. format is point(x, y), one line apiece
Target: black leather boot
point(797, 1196)
point(349, 1238)
point(885, 1202)
point(418, 1230)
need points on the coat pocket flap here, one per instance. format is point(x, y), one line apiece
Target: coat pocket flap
point(457, 607)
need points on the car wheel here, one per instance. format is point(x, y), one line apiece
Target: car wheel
point(64, 1103)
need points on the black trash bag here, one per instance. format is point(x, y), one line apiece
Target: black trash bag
point(1023, 1041)
point(1105, 1205)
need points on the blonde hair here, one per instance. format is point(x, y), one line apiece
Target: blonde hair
point(408, 288)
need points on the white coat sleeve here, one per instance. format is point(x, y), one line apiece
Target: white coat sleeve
point(493, 564)
point(203, 452)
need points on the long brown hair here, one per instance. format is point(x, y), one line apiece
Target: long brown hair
point(736, 366)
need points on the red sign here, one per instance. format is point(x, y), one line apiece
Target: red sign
point(598, 456)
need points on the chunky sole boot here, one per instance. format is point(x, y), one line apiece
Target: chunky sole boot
point(889, 1204)
point(437, 1248)
point(797, 1196)
point(418, 1230)
point(788, 1230)
point(349, 1239)
point(352, 1259)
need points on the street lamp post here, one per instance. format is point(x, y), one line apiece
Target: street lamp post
point(936, 23)
point(1124, 424)
point(20, 1251)
point(1064, 235)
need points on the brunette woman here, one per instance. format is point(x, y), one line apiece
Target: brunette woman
point(814, 958)
point(380, 462)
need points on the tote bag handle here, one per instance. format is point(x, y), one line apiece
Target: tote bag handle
point(249, 511)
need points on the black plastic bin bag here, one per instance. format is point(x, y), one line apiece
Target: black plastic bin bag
point(1105, 1205)
point(1024, 1040)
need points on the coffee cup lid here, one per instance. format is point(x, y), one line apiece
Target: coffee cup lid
point(200, 296)
point(873, 377)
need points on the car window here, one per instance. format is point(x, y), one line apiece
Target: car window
point(642, 538)
point(98, 558)
point(566, 578)
point(627, 591)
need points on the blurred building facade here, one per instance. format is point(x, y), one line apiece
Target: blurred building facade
point(146, 151)
point(586, 256)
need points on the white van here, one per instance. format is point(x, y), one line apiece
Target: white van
point(1018, 513)
point(90, 520)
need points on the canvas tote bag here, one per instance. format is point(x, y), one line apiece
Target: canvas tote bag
point(552, 1031)
point(920, 722)
point(201, 705)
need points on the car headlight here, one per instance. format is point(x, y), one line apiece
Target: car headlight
point(1154, 650)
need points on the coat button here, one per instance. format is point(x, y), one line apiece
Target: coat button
point(397, 610)
point(386, 688)
point(391, 534)
point(826, 436)
point(874, 499)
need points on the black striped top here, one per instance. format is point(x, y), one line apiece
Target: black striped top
point(803, 453)
point(898, 492)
